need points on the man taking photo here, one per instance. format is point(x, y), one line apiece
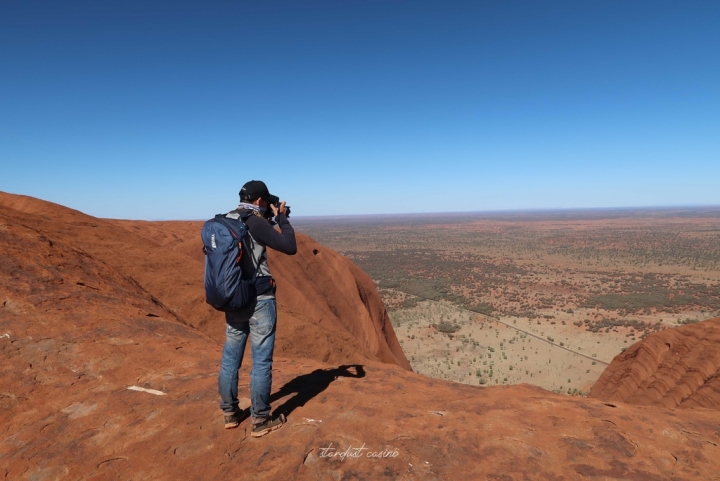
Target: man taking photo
point(258, 320)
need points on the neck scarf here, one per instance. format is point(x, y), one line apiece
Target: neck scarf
point(246, 206)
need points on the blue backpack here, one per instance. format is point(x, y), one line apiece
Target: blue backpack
point(225, 288)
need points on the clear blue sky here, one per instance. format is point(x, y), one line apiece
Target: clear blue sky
point(162, 110)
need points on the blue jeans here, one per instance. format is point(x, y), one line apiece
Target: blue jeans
point(258, 321)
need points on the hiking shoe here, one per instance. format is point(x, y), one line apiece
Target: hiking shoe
point(267, 426)
point(233, 419)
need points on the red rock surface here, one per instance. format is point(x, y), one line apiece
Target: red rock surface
point(321, 295)
point(165, 261)
point(89, 309)
point(671, 368)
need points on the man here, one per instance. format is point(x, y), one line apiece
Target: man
point(259, 318)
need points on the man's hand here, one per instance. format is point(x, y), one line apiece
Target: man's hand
point(280, 210)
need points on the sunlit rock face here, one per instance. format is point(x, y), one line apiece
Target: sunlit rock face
point(677, 367)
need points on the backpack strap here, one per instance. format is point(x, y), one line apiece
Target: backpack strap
point(242, 215)
point(222, 218)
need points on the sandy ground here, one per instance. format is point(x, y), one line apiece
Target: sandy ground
point(553, 354)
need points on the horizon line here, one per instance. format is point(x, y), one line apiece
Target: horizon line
point(538, 210)
point(519, 211)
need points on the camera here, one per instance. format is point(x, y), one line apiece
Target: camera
point(277, 206)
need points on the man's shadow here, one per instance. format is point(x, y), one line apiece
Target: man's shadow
point(310, 385)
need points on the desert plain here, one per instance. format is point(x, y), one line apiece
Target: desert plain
point(545, 298)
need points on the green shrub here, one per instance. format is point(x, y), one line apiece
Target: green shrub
point(446, 327)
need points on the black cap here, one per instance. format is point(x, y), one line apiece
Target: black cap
point(257, 189)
